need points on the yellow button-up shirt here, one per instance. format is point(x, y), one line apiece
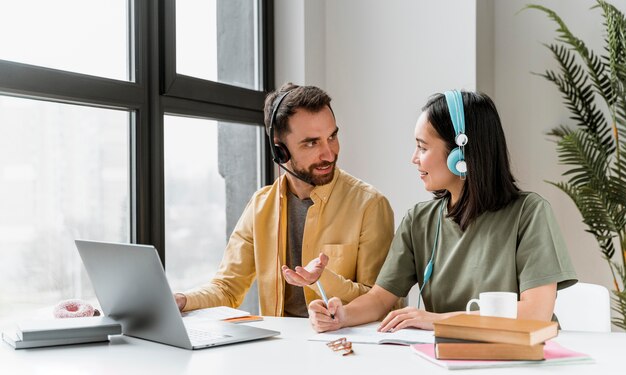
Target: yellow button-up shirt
point(349, 221)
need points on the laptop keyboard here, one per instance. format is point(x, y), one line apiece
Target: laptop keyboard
point(198, 335)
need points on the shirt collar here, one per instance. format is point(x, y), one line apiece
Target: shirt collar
point(319, 193)
point(322, 193)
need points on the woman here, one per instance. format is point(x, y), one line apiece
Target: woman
point(480, 233)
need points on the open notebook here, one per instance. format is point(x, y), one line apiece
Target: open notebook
point(367, 334)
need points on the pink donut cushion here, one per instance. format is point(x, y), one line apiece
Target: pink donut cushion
point(73, 308)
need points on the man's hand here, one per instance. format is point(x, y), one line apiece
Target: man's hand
point(181, 301)
point(302, 276)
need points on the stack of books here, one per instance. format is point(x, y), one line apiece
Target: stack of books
point(52, 332)
point(472, 341)
point(474, 337)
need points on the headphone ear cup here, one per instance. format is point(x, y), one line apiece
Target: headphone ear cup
point(456, 163)
point(281, 153)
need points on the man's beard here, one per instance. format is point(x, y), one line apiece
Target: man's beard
point(315, 179)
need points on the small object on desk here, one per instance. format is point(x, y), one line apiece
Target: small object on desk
point(367, 334)
point(319, 286)
point(51, 329)
point(554, 353)
point(470, 350)
point(214, 313)
point(74, 308)
point(340, 346)
point(13, 339)
point(244, 319)
point(494, 329)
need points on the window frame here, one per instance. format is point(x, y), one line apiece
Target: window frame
point(183, 86)
point(154, 90)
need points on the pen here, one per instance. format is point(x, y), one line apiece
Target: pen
point(319, 286)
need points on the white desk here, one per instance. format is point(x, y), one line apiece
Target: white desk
point(289, 353)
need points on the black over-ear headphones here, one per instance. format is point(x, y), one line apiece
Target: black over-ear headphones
point(280, 153)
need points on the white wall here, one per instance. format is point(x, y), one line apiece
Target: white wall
point(382, 59)
point(300, 35)
point(289, 62)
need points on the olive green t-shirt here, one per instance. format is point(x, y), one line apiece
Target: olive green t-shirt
point(516, 248)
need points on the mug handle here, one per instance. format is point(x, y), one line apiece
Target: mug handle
point(469, 305)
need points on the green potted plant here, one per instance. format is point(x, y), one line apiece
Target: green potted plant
point(593, 145)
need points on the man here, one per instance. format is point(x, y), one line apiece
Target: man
point(316, 214)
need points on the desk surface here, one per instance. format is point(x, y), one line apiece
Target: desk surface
point(290, 352)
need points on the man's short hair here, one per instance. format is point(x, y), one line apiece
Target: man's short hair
point(310, 98)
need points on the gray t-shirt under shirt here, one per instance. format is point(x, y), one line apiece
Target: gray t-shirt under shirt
point(516, 248)
point(295, 304)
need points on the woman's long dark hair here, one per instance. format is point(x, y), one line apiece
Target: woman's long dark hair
point(489, 183)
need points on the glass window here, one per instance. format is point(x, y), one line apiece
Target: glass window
point(64, 174)
point(66, 170)
point(211, 171)
point(217, 40)
point(90, 37)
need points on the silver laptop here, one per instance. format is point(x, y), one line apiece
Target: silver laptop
point(132, 289)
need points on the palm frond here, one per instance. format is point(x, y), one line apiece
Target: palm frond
point(559, 132)
point(596, 67)
point(619, 306)
point(592, 208)
point(615, 24)
point(619, 167)
point(578, 94)
point(619, 297)
point(620, 119)
point(583, 151)
point(616, 190)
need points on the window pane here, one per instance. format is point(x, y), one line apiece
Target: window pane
point(211, 170)
point(217, 40)
point(64, 174)
point(89, 37)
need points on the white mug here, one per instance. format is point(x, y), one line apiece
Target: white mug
point(502, 304)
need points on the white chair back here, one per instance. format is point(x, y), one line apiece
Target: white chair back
point(584, 307)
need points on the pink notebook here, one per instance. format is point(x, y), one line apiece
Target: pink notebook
point(554, 353)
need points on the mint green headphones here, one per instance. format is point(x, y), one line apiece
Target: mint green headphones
point(456, 158)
